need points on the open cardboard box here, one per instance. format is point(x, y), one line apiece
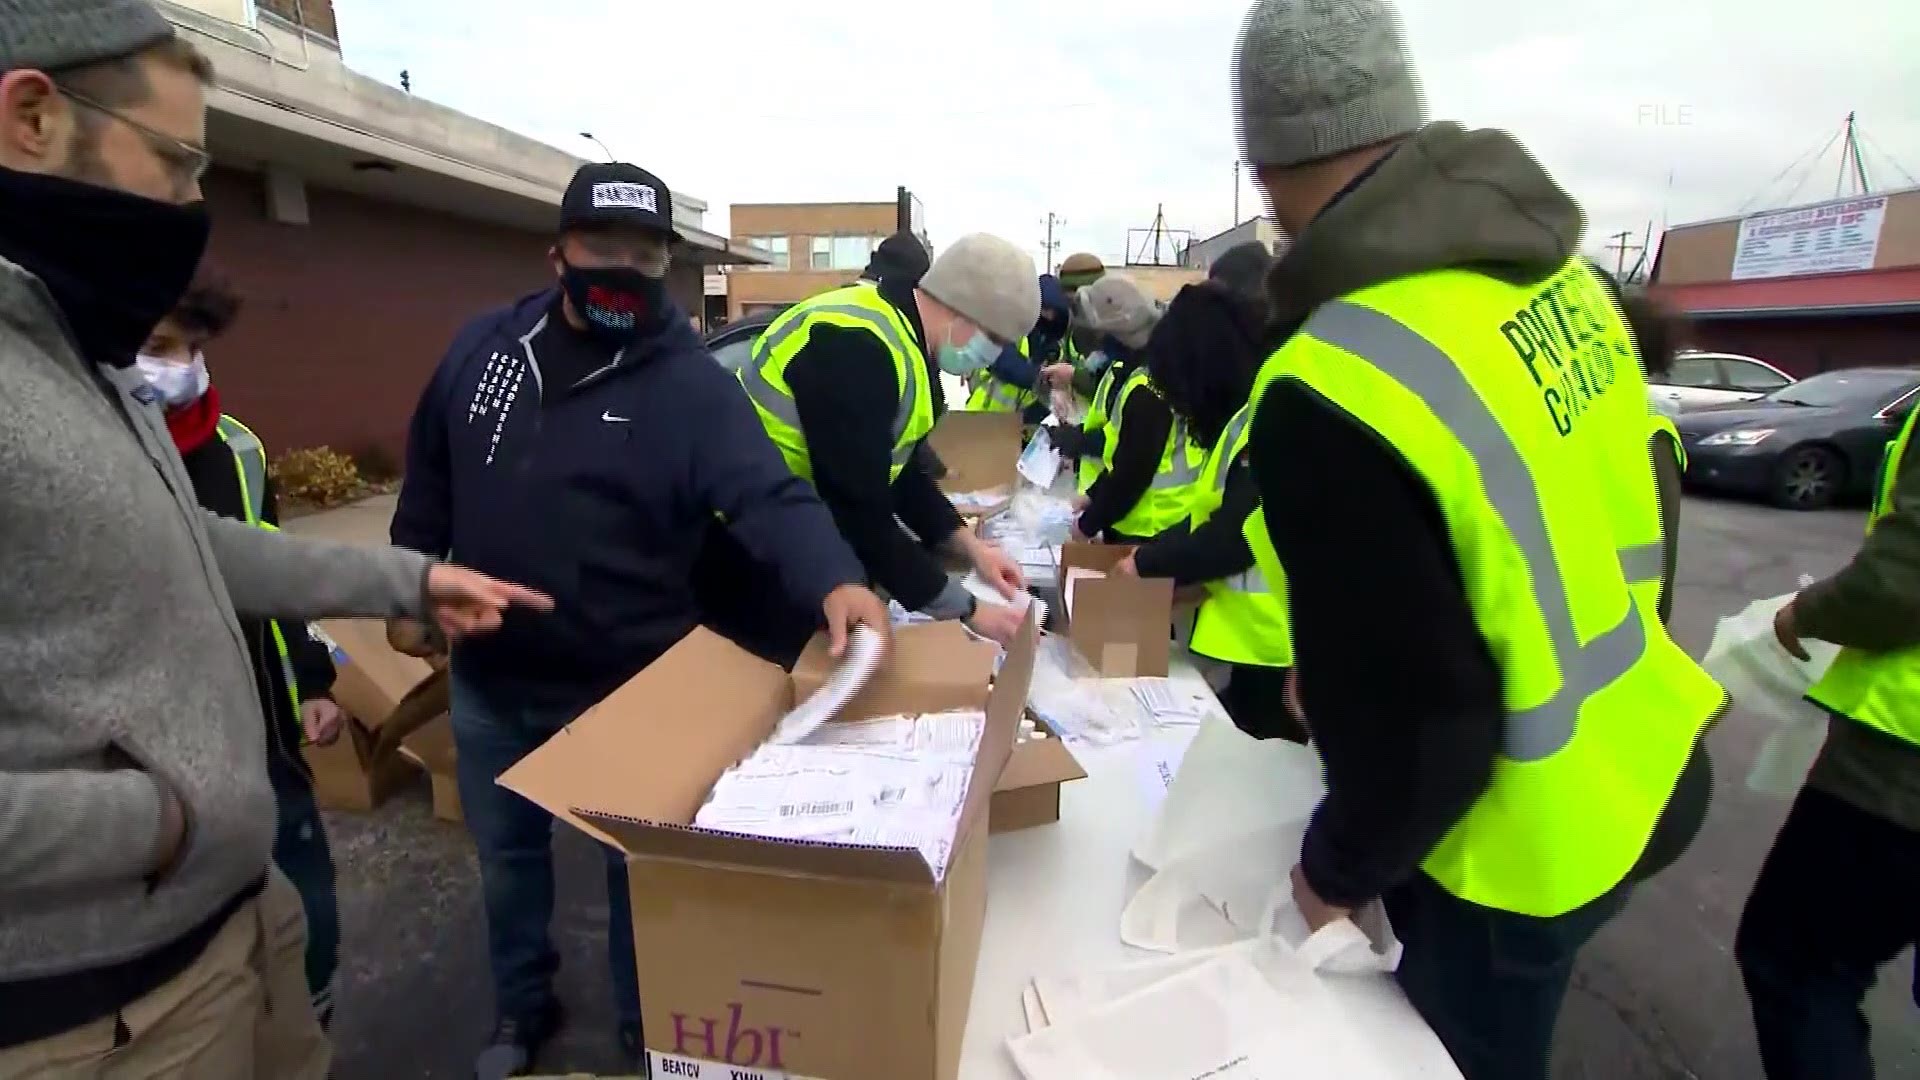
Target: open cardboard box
point(432, 749)
point(1123, 626)
point(981, 451)
point(387, 696)
point(1028, 793)
point(798, 958)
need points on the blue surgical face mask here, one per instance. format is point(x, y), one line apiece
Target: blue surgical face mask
point(977, 354)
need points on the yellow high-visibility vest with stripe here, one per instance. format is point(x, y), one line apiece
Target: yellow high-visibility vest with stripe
point(1093, 465)
point(990, 393)
point(1244, 618)
point(1524, 410)
point(250, 459)
point(855, 307)
point(1165, 502)
point(1878, 689)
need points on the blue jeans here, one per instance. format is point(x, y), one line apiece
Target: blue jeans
point(300, 851)
point(514, 839)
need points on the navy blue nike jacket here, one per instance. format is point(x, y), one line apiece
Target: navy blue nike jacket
point(598, 495)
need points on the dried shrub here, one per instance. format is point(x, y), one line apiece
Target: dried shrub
point(320, 475)
point(377, 464)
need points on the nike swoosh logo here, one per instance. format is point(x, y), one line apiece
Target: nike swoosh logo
point(612, 419)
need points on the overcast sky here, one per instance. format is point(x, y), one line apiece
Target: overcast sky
point(996, 112)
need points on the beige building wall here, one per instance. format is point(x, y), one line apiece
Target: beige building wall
point(1703, 252)
point(800, 224)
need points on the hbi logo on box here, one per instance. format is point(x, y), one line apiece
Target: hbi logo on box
point(732, 1043)
point(1661, 114)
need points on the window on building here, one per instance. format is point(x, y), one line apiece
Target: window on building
point(852, 252)
point(822, 254)
point(774, 246)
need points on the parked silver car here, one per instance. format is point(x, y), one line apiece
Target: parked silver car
point(1699, 379)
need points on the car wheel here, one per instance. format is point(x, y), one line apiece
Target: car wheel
point(1809, 478)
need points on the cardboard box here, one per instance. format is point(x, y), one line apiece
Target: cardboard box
point(796, 958)
point(386, 696)
point(1028, 793)
point(1123, 626)
point(980, 449)
point(432, 749)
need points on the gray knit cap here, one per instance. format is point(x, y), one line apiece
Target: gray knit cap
point(1115, 305)
point(1315, 78)
point(988, 281)
point(48, 35)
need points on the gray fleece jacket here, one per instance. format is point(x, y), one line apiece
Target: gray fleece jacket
point(122, 665)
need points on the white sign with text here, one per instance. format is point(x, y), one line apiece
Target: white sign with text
point(1826, 238)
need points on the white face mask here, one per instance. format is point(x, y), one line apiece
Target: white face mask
point(177, 384)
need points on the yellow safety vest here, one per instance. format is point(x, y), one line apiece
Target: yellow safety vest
point(250, 459)
point(1165, 502)
point(1093, 465)
point(1878, 689)
point(1525, 411)
point(856, 307)
point(1244, 618)
point(992, 394)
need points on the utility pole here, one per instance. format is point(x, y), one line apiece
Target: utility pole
point(1850, 160)
point(1620, 247)
point(1236, 191)
point(1054, 221)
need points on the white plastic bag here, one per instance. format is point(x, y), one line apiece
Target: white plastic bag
point(1231, 783)
point(1762, 677)
point(1039, 463)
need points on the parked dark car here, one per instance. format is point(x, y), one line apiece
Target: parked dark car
point(1802, 446)
point(733, 343)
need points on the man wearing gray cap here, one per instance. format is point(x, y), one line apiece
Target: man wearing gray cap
point(143, 931)
point(846, 384)
point(1450, 450)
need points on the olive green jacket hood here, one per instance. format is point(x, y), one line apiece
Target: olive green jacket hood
point(1445, 197)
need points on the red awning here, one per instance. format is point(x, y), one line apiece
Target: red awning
point(1864, 292)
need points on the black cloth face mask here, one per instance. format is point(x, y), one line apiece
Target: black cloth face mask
point(116, 263)
point(618, 303)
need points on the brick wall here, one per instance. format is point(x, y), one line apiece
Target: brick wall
point(346, 318)
point(800, 223)
point(315, 15)
point(1803, 347)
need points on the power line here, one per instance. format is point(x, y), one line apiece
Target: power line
point(1886, 158)
point(1791, 165)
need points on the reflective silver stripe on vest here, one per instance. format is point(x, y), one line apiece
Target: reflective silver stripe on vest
point(1227, 440)
point(251, 457)
point(780, 405)
point(1645, 562)
point(1182, 471)
point(1250, 580)
point(1429, 373)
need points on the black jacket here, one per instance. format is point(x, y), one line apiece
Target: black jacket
point(216, 482)
point(846, 389)
point(596, 486)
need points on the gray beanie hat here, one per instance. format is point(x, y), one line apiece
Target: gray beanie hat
point(1316, 78)
point(1115, 305)
point(48, 35)
point(988, 281)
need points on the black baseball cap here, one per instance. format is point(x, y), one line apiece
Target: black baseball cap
point(615, 193)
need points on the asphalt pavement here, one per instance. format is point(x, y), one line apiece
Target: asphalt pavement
point(1656, 995)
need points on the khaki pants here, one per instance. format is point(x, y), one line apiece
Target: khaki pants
point(241, 1012)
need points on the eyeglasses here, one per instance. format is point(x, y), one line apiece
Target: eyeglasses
point(185, 162)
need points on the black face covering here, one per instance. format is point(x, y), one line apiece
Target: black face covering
point(618, 303)
point(116, 263)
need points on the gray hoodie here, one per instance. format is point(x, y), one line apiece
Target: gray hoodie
point(122, 666)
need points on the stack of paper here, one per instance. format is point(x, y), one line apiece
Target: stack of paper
point(864, 650)
point(981, 502)
point(1169, 703)
point(895, 782)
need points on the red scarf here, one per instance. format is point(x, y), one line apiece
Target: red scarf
point(192, 425)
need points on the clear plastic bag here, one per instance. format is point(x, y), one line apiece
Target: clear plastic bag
point(1763, 678)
